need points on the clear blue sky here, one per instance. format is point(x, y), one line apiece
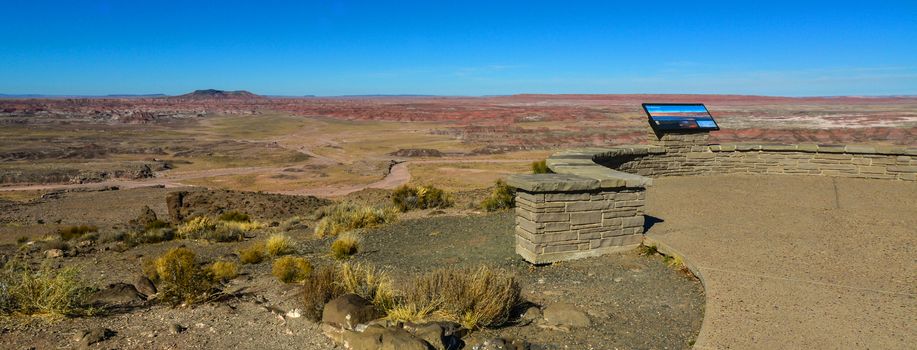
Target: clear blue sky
point(331, 47)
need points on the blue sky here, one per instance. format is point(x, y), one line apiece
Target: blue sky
point(793, 48)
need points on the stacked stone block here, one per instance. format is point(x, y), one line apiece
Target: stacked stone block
point(563, 225)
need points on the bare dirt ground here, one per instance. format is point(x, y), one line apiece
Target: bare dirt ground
point(633, 301)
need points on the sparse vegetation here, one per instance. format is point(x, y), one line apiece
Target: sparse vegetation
point(332, 281)
point(252, 254)
point(345, 245)
point(368, 282)
point(541, 167)
point(203, 227)
point(44, 291)
point(180, 278)
point(234, 216)
point(647, 250)
point(475, 298)
point(289, 269)
point(502, 197)
point(318, 289)
point(224, 270)
point(72, 232)
point(278, 244)
point(408, 197)
point(348, 216)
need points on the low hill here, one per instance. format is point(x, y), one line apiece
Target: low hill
point(213, 94)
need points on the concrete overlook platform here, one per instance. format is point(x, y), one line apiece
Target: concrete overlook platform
point(795, 262)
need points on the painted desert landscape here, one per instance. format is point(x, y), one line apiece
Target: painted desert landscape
point(224, 218)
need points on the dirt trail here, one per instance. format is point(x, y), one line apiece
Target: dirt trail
point(398, 175)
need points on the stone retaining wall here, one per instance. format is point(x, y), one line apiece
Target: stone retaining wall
point(594, 203)
point(888, 163)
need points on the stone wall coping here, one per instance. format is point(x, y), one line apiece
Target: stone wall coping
point(816, 148)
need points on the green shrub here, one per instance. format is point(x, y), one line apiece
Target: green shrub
point(234, 216)
point(345, 245)
point(474, 298)
point(289, 269)
point(154, 235)
point(541, 167)
point(71, 232)
point(224, 270)
point(179, 277)
point(155, 224)
point(252, 254)
point(44, 291)
point(407, 198)
point(502, 197)
point(347, 217)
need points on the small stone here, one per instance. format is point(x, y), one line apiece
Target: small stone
point(532, 313)
point(94, 335)
point(348, 311)
point(54, 253)
point(565, 315)
point(295, 313)
point(503, 344)
point(145, 286)
point(618, 279)
point(176, 328)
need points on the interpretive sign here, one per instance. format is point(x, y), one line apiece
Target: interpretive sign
point(679, 117)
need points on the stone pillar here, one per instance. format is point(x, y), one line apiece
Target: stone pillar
point(564, 217)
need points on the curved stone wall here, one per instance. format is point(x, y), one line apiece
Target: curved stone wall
point(889, 163)
point(594, 203)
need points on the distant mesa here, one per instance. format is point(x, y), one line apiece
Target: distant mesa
point(213, 94)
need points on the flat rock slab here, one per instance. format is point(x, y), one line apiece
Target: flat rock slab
point(795, 262)
point(565, 315)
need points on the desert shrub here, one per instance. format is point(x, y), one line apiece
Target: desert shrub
point(155, 235)
point(369, 282)
point(180, 277)
point(252, 254)
point(347, 216)
point(234, 216)
point(224, 270)
point(345, 245)
point(318, 289)
point(502, 197)
point(44, 291)
point(278, 244)
point(71, 232)
point(197, 227)
point(541, 167)
point(203, 227)
point(293, 223)
point(155, 224)
point(289, 269)
point(332, 281)
point(407, 198)
point(22, 240)
point(475, 298)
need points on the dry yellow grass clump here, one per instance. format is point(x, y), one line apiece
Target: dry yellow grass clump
point(45, 291)
point(289, 269)
point(502, 197)
point(408, 197)
point(474, 298)
point(347, 217)
point(205, 227)
point(253, 253)
point(345, 245)
point(224, 270)
point(278, 244)
point(332, 281)
point(180, 278)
